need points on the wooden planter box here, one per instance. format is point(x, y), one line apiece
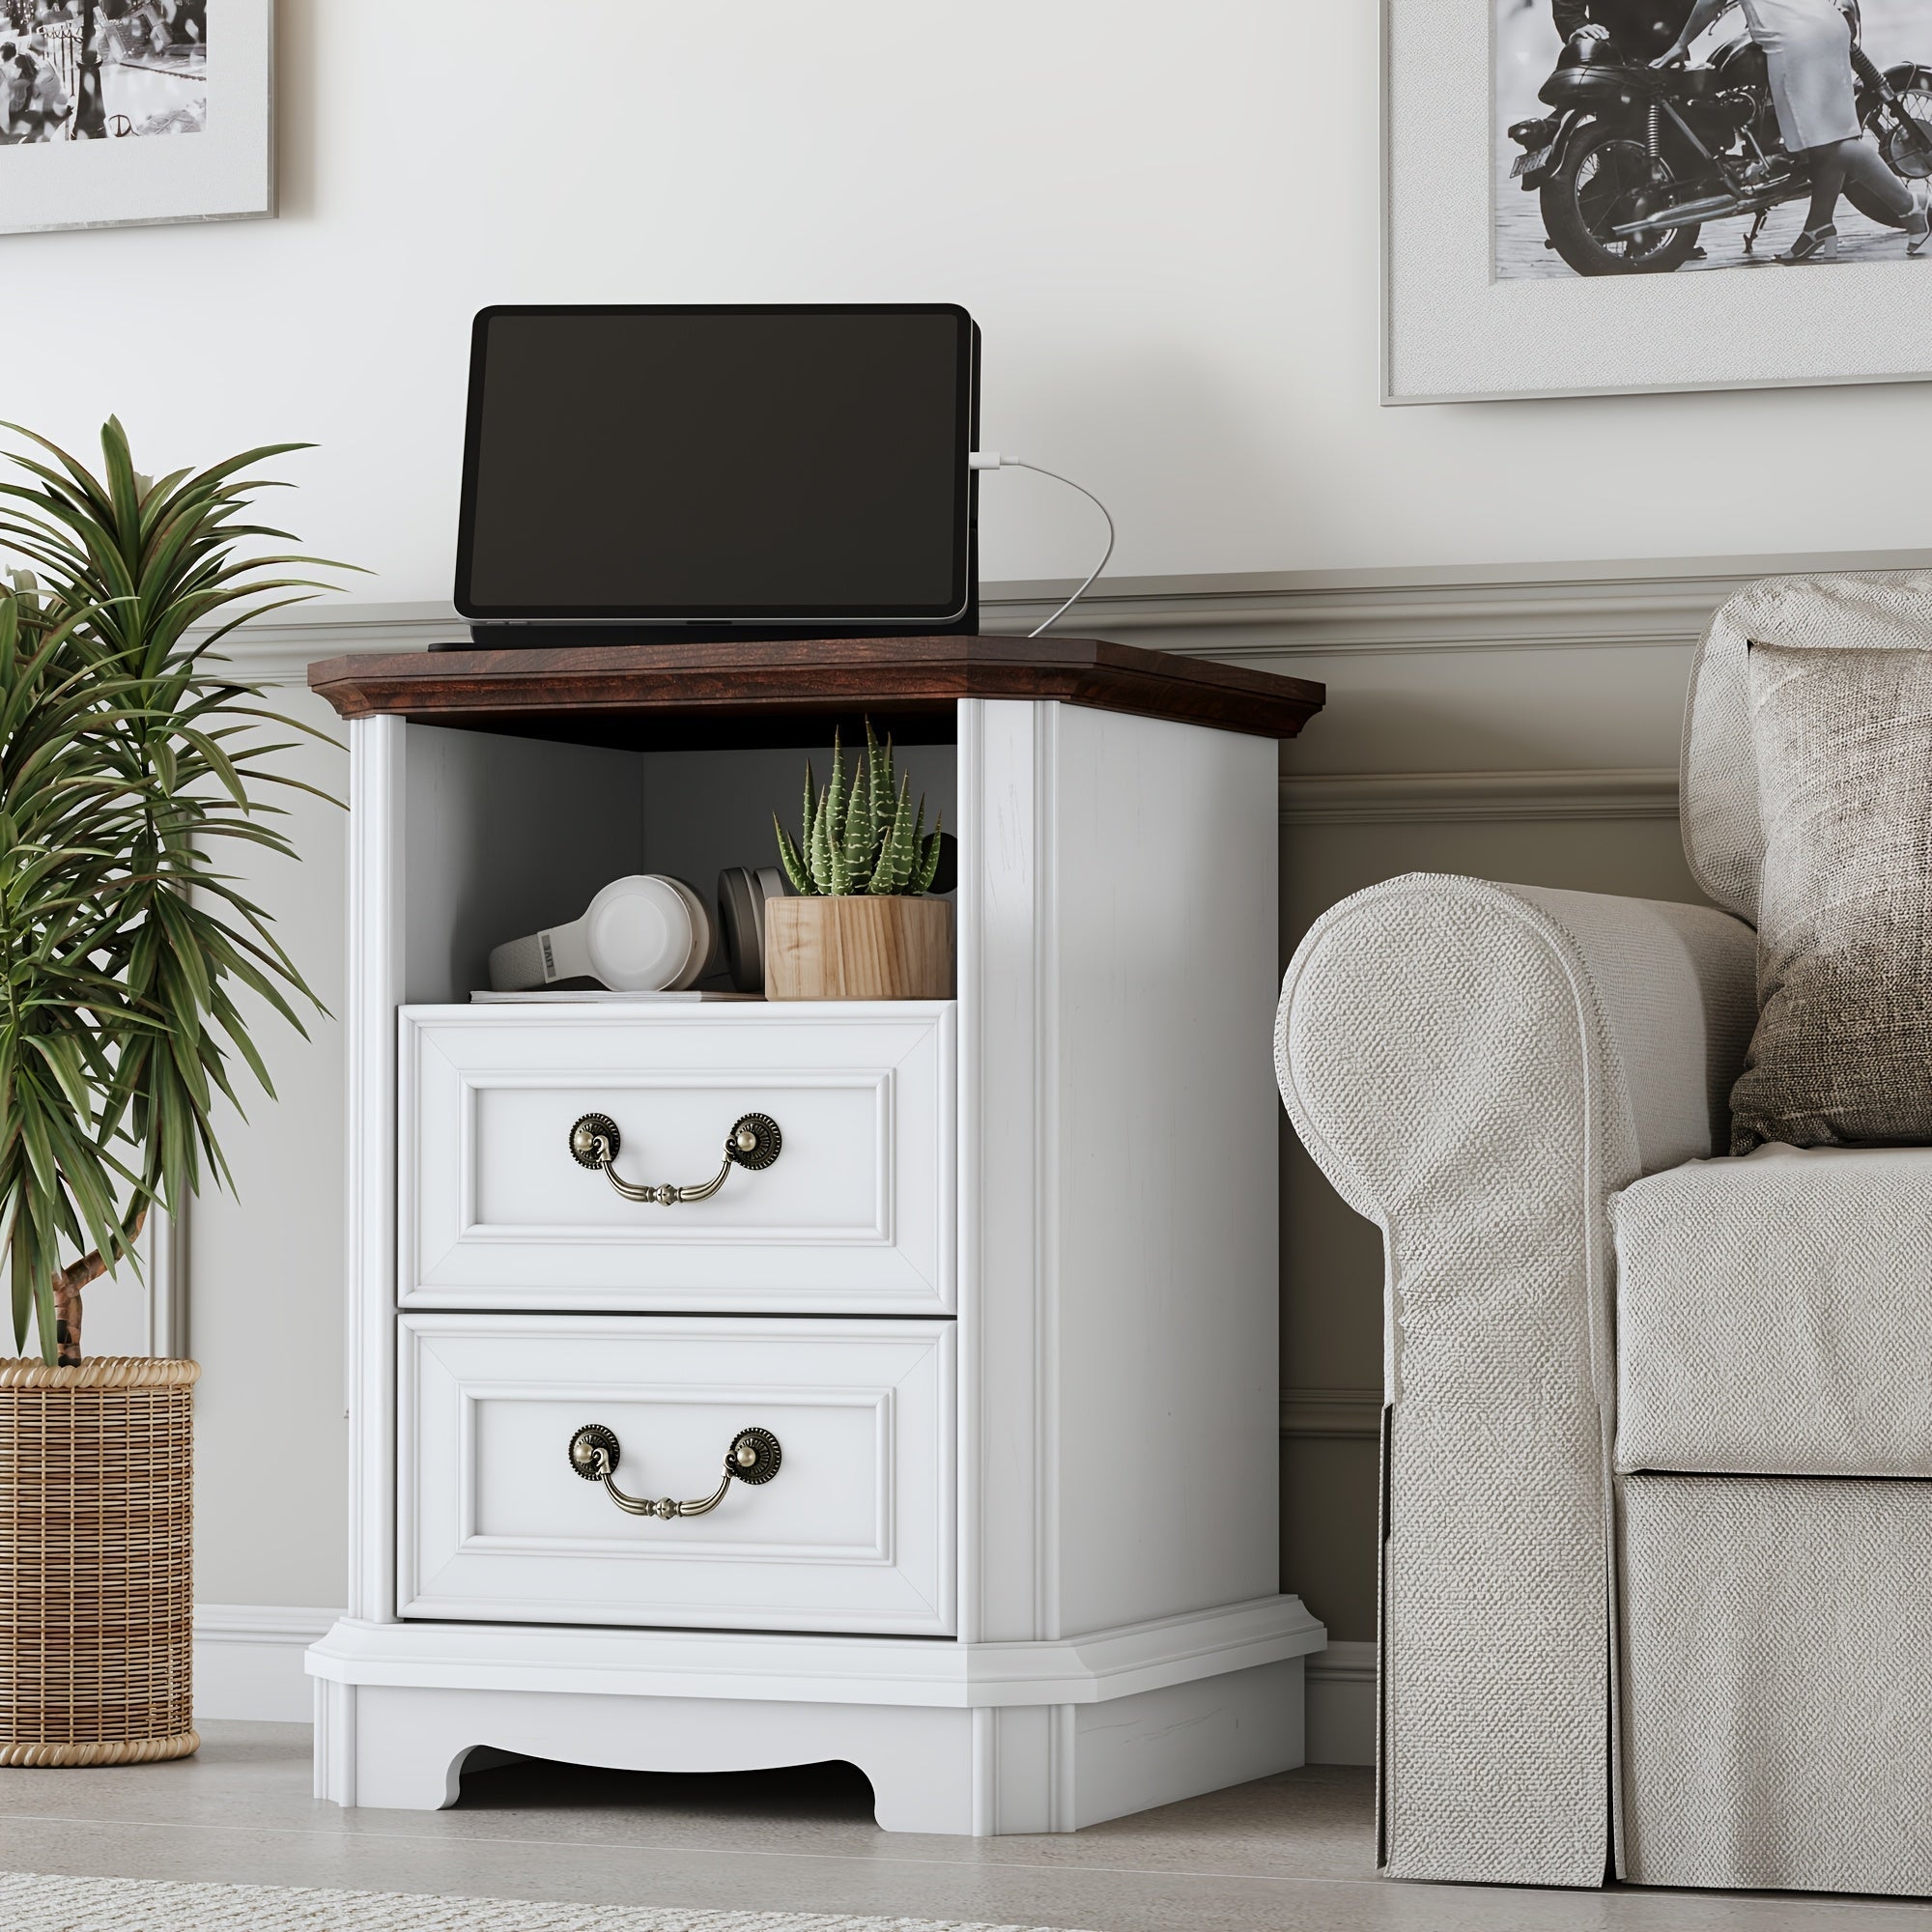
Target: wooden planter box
point(858, 949)
point(97, 1575)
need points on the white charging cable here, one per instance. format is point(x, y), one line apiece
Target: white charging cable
point(991, 459)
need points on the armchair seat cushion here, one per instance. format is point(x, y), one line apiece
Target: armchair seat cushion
point(1774, 1315)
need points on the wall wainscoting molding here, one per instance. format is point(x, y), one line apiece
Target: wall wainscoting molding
point(1504, 607)
point(1253, 616)
point(1385, 798)
point(280, 649)
point(248, 1660)
point(1332, 1413)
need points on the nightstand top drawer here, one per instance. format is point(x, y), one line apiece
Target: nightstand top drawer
point(577, 1157)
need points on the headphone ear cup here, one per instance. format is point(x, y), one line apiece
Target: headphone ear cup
point(641, 934)
point(703, 936)
point(741, 894)
point(738, 915)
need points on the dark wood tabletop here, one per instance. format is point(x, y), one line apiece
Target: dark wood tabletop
point(698, 693)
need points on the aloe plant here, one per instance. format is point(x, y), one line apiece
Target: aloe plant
point(862, 836)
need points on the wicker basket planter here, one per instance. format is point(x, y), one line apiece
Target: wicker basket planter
point(97, 1600)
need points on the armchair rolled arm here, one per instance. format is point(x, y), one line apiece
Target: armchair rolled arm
point(1477, 1069)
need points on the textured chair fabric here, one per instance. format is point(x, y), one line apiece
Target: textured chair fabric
point(1717, 796)
point(1477, 1069)
point(1774, 1315)
point(1776, 1689)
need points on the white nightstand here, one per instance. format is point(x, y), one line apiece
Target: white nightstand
point(988, 1350)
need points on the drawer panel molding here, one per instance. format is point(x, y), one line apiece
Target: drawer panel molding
point(855, 1215)
point(853, 1532)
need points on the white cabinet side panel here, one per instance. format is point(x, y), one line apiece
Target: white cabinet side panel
point(1160, 1138)
point(376, 911)
point(1001, 911)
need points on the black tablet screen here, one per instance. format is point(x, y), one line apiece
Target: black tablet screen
point(728, 462)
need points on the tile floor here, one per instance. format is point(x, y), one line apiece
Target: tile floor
point(1289, 1854)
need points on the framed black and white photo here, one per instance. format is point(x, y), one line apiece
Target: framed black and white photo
point(115, 112)
point(1585, 197)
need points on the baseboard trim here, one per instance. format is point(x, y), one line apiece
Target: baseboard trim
point(1341, 1704)
point(1319, 1412)
point(248, 1660)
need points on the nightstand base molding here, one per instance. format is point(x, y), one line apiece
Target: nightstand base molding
point(964, 1738)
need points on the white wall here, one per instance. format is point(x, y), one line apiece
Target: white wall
point(265, 1264)
point(1164, 215)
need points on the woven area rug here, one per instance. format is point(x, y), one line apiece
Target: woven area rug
point(30, 1902)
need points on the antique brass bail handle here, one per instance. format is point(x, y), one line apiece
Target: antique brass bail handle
point(754, 1458)
point(753, 1142)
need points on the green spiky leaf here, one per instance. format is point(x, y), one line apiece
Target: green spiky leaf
point(894, 864)
point(793, 861)
point(836, 797)
point(885, 787)
point(858, 847)
point(819, 854)
point(811, 809)
point(125, 759)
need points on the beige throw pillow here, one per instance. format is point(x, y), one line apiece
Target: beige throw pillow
point(1843, 1047)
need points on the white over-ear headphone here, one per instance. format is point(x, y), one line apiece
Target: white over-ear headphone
point(648, 933)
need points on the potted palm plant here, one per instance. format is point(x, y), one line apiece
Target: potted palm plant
point(861, 926)
point(126, 758)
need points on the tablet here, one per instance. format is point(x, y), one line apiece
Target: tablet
point(767, 468)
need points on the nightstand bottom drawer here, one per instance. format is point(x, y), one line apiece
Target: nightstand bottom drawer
point(575, 1470)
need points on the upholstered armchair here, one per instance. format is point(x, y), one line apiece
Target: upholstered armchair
point(1658, 1528)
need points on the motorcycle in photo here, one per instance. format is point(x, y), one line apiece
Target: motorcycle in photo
point(1634, 159)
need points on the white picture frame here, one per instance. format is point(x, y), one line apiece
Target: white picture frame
point(223, 171)
point(1452, 332)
